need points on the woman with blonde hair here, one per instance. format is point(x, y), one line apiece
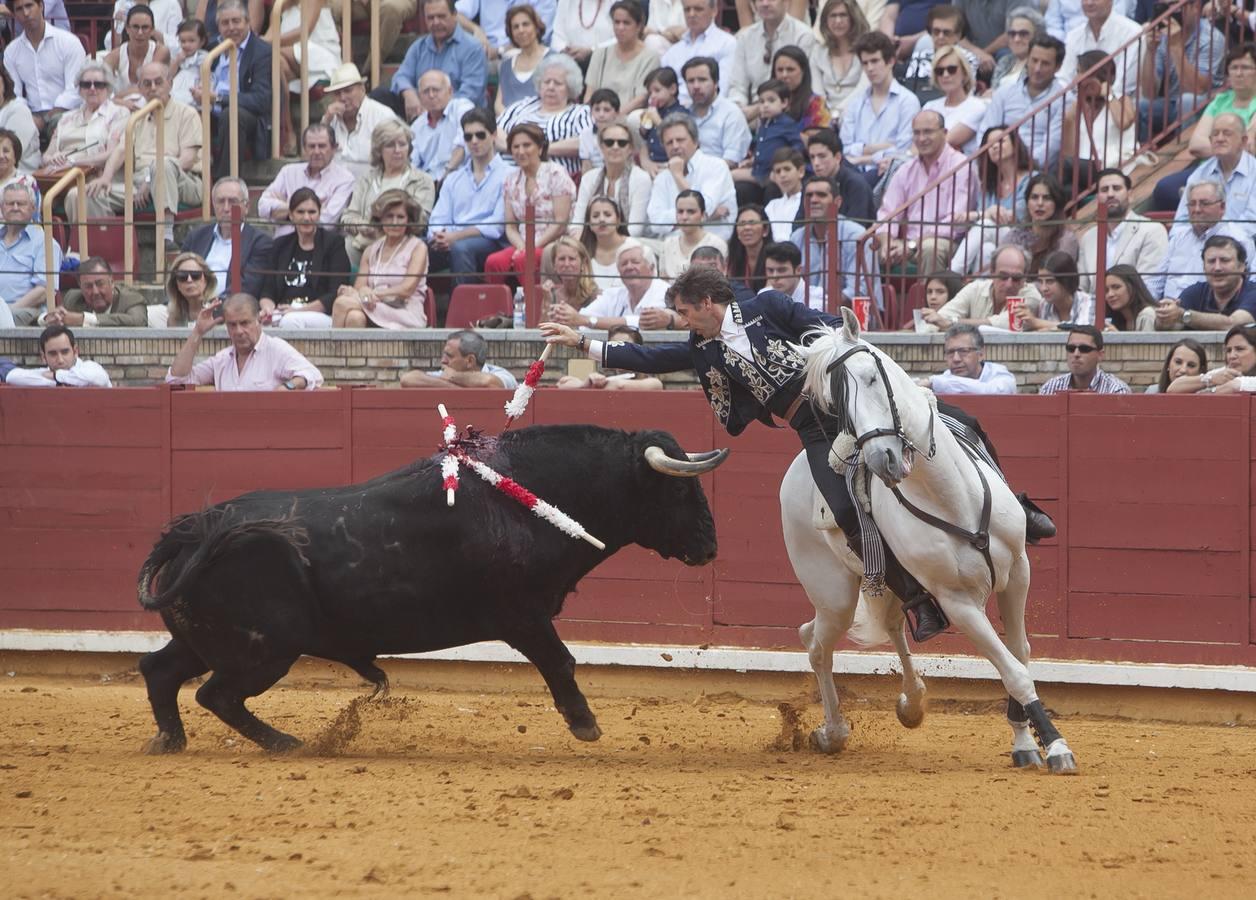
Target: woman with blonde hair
point(391, 286)
point(391, 168)
point(568, 273)
point(190, 286)
point(960, 109)
point(835, 70)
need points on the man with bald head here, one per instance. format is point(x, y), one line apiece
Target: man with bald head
point(1232, 164)
point(184, 139)
point(933, 223)
point(438, 144)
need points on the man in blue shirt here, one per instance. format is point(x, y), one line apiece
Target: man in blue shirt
point(467, 222)
point(1012, 102)
point(1183, 62)
point(877, 125)
point(22, 264)
point(722, 128)
point(1223, 299)
point(1206, 201)
point(818, 193)
point(447, 47)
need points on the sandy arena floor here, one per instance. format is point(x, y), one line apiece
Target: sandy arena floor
point(464, 794)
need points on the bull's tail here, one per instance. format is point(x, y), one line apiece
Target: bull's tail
point(196, 541)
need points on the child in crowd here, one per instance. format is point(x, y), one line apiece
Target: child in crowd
point(604, 108)
point(777, 128)
point(186, 65)
point(663, 93)
point(788, 170)
point(690, 235)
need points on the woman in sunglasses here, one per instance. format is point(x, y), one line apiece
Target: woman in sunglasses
point(618, 178)
point(959, 108)
point(1024, 23)
point(87, 135)
point(190, 287)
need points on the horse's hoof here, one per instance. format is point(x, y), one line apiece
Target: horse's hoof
point(586, 732)
point(165, 742)
point(823, 740)
point(1024, 759)
point(285, 743)
point(908, 717)
point(1060, 759)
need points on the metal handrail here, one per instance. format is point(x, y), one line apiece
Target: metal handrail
point(77, 177)
point(279, 88)
point(159, 184)
point(346, 30)
point(233, 116)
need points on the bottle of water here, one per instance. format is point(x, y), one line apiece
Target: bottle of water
point(521, 308)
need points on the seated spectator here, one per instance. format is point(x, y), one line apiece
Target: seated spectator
point(1107, 32)
point(324, 67)
point(1132, 238)
point(709, 257)
point(1231, 165)
point(166, 17)
point(576, 34)
point(63, 367)
point(307, 268)
point(603, 234)
point(945, 27)
point(834, 63)
point(1206, 202)
point(253, 361)
point(641, 302)
point(1185, 358)
point(690, 213)
point(181, 160)
point(140, 48)
point(42, 63)
point(466, 224)
point(89, 134)
point(212, 242)
point(662, 100)
point(704, 38)
point(1046, 231)
point(254, 89)
point(567, 275)
point(967, 371)
point(540, 182)
point(722, 128)
point(688, 167)
point(984, 301)
point(525, 30)
point(353, 118)
point(962, 111)
point(1237, 376)
point(824, 148)
point(448, 48)
point(391, 146)
point(15, 116)
point(782, 265)
point(1062, 301)
point(10, 154)
point(751, 234)
point(190, 287)
point(98, 301)
point(1183, 62)
point(791, 67)
point(603, 110)
point(193, 44)
point(1129, 304)
point(622, 65)
point(1224, 298)
point(944, 209)
point(463, 363)
point(1002, 182)
point(777, 131)
point(1101, 124)
point(438, 148)
point(877, 126)
point(905, 21)
point(811, 239)
point(940, 288)
point(665, 26)
point(751, 60)
point(23, 276)
point(1014, 102)
point(320, 172)
point(390, 290)
point(1024, 23)
point(1062, 16)
point(621, 381)
point(788, 172)
point(556, 109)
point(1084, 349)
point(617, 177)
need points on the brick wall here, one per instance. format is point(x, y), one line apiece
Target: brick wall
point(135, 356)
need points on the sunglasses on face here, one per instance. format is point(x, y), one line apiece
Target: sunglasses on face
point(474, 135)
point(615, 142)
point(1015, 33)
point(946, 70)
point(93, 85)
point(186, 275)
point(1080, 348)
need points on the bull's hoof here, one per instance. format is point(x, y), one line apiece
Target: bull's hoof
point(829, 740)
point(1060, 759)
point(165, 742)
point(1024, 759)
point(908, 716)
point(586, 732)
point(284, 743)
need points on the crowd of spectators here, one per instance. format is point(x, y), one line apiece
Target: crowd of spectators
point(620, 143)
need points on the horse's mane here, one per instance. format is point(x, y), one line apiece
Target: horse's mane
point(821, 346)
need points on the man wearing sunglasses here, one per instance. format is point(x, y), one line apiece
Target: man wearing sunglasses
point(1084, 346)
point(984, 300)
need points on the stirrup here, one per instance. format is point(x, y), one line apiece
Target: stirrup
point(925, 618)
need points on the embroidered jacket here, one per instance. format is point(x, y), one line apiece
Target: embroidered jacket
point(739, 390)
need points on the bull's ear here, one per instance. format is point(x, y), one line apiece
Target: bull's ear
point(850, 324)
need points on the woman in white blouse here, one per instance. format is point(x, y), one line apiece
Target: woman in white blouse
point(581, 26)
point(959, 108)
point(87, 135)
point(835, 70)
point(603, 235)
point(618, 178)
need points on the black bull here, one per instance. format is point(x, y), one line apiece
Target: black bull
point(249, 586)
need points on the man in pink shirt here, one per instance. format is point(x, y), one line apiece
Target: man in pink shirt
point(254, 361)
point(321, 173)
point(928, 235)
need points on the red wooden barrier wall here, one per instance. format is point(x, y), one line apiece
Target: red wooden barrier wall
point(1154, 498)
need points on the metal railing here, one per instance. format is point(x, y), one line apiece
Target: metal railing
point(77, 177)
point(233, 117)
point(279, 87)
point(158, 193)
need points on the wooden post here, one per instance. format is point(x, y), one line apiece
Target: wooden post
point(207, 105)
point(73, 176)
point(158, 190)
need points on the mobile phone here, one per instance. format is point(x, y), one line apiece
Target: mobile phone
point(218, 313)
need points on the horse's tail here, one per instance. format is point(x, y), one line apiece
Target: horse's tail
point(872, 614)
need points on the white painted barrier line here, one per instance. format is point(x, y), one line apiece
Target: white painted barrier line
point(1211, 678)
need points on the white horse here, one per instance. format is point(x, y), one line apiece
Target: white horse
point(902, 441)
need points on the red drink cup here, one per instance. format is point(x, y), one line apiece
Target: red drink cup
point(1013, 304)
point(863, 310)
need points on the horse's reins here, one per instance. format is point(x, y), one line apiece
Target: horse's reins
point(979, 539)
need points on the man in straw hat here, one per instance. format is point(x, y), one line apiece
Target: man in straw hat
point(353, 116)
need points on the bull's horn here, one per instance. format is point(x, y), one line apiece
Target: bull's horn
point(696, 464)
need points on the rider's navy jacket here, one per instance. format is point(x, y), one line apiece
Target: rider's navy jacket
point(739, 390)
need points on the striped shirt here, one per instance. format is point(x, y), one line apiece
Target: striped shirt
point(569, 123)
point(1102, 383)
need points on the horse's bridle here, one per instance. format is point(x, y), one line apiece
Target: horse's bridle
point(836, 370)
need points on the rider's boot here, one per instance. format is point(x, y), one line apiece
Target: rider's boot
point(1038, 524)
point(925, 618)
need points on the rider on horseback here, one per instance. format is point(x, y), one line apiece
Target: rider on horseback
point(743, 357)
